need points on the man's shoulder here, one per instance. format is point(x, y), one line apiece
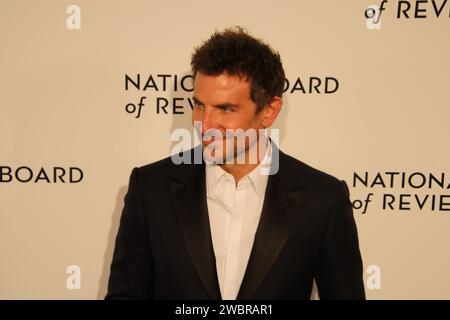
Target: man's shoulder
point(292, 171)
point(167, 168)
point(296, 172)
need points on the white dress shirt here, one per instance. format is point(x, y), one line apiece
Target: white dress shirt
point(234, 213)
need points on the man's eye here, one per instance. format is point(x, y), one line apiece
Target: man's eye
point(198, 105)
point(225, 108)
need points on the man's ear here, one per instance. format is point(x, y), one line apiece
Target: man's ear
point(271, 111)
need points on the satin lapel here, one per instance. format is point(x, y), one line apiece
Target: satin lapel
point(189, 198)
point(271, 234)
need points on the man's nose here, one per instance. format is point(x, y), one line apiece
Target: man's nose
point(209, 120)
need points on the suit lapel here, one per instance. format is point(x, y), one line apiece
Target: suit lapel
point(271, 235)
point(189, 198)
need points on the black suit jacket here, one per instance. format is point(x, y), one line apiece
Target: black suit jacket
point(306, 231)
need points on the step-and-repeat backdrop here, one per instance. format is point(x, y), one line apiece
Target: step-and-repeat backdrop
point(91, 89)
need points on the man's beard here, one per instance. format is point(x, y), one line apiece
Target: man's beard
point(233, 150)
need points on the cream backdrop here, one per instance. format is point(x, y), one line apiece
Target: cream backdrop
point(63, 104)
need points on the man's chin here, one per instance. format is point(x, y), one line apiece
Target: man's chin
point(219, 156)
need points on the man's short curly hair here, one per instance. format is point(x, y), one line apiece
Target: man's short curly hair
point(235, 52)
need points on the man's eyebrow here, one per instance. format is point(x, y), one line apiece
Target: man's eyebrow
point(224, 104)
point(227, 104)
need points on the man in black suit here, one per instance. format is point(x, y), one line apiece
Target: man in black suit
point(222, 229)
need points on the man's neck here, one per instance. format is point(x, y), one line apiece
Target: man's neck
point(238, 170)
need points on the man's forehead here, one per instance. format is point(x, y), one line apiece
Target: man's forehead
point(222, 78)
point(222, 84)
